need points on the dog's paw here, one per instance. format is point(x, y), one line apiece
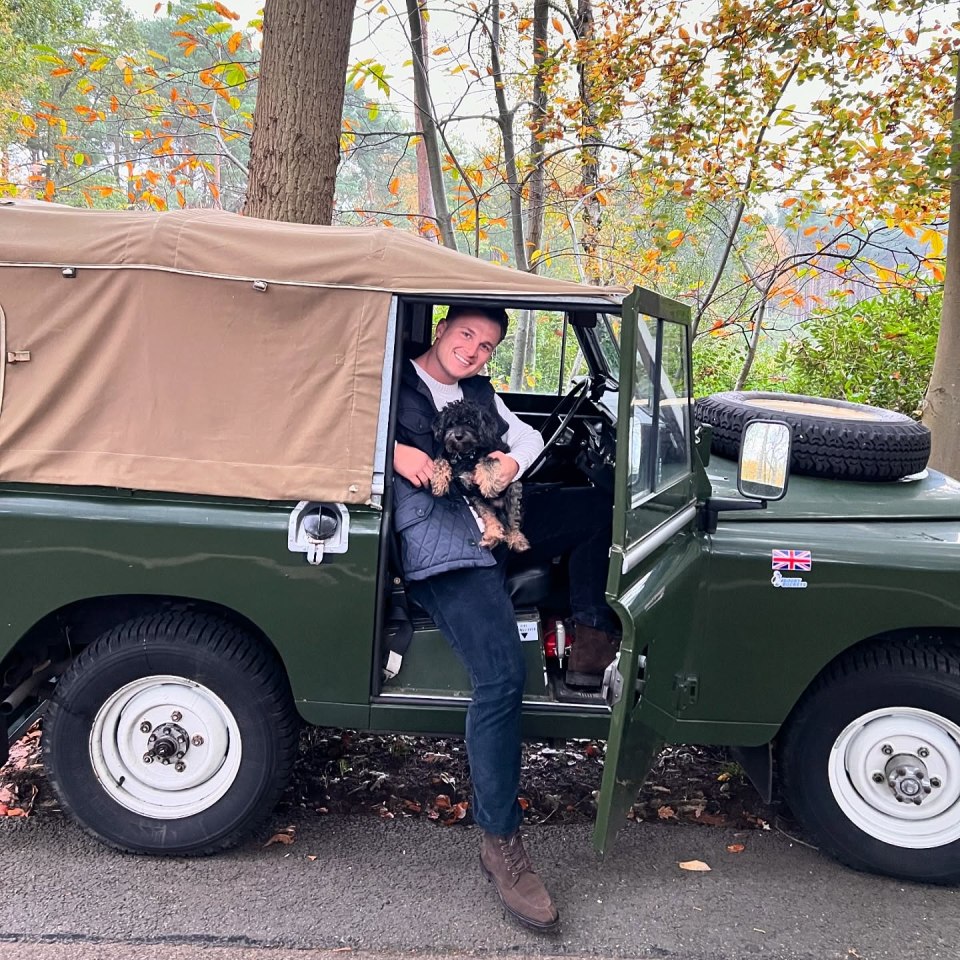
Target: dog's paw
point(493, 532)
point(487, 475)
point(515, 540)
point(440, 481)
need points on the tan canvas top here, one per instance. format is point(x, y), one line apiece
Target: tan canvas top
point(161, 366)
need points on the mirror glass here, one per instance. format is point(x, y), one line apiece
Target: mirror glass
point(764, 460)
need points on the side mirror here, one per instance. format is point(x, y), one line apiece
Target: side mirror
point(764, 460)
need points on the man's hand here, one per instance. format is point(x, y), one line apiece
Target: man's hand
point(413, 465)
point(509, 468)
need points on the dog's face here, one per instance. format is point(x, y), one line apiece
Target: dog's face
point(465, 429)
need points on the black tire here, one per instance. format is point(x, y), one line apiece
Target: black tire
point(856, 723)
point(225, 695)
point(831, 438)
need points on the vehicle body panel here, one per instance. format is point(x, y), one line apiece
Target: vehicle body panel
point(57, 548)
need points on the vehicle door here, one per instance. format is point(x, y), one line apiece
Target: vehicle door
point(657, 552)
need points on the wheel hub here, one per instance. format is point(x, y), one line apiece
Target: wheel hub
point(167, 743)
point(907, 777)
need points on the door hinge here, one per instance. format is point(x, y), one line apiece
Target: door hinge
point(686, 687)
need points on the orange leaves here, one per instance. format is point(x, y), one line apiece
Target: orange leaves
point(233, 44)
point(225, 12)
point(394, 186)
point(557, 24)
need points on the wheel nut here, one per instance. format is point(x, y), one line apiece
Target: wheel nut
point(181, 739)
point(923, 752)
point(176, 716)
point(180, 767)
point(153, 738)
point(934, 781)
point(147, 758)
point(197, 740)
point(886, 749)
point(878, 778)
point(145, 727)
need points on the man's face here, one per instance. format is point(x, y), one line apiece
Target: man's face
point(462, 346)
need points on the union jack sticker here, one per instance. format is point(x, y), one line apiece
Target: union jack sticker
point(792, 560)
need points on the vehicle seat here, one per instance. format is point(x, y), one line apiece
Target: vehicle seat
point(526, 585)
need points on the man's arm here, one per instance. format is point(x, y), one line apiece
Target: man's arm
point(524, 443)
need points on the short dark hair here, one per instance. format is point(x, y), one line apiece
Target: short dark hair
point(495, 315)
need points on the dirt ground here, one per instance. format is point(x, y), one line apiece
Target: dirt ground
point(342, 771)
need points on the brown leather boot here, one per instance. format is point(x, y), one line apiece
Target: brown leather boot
point(591, 651)
point(505, 861)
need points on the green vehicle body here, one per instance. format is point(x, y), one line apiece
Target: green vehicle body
point(721, 655)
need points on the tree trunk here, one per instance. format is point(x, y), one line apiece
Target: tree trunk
point(589, 146)
point(536, 199)
point(505, 122)
point(425, 205)
point(941, 409)
point(295, 147)
point(524, 338)
point(421, 95)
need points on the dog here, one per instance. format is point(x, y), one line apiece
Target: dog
point(468, 434)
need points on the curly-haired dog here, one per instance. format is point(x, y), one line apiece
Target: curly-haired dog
point(468, 434)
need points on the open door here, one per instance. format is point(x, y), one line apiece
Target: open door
point(657, 554)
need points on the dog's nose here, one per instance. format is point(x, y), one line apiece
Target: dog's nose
point(458, 435)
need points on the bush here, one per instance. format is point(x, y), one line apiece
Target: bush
point(717, 362)
point(878, 351)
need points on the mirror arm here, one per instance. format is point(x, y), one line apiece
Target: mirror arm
point(711, 507)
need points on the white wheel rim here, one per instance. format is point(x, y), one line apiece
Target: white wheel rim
point(167, 708)
point(868, 751)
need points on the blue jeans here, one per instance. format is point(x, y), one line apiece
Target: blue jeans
point(473, 611)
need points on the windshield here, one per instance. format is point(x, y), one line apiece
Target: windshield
point(608, 338)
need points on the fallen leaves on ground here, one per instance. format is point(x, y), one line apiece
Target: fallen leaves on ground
point(285, 837)
point(20, 776)
point(735, 848)
point(697, 866)
point(405, 776)
point(394, 776)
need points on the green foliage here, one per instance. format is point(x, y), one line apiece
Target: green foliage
point(878, 351)
point(717, 362)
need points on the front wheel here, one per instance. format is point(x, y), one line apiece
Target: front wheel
point(172, 733)
point(871, 761)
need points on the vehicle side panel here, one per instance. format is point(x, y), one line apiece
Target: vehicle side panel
point(761, 645)
point(57, 548)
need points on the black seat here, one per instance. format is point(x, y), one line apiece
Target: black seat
point(527, 586)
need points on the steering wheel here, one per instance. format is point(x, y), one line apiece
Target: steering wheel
point(557, 421)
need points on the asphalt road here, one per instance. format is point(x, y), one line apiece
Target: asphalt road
point(395, 887)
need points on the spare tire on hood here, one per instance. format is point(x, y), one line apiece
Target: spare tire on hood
point(831, 438)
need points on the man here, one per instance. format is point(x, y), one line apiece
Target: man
point(461, 584)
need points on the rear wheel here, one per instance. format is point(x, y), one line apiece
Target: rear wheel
point(871, 761)
point(172, 733)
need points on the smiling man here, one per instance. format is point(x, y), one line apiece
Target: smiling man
point(462, 585)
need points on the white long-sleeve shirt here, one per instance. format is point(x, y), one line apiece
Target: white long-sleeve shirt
point(524, 442)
